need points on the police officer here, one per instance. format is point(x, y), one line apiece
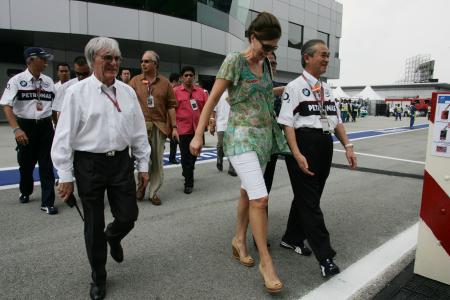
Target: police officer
point(27, 102)
point(100, 123)
point(309, 114)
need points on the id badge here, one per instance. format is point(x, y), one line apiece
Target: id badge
point(325, 124)
point(150, 101)
point(194, 104)
point(39, 106)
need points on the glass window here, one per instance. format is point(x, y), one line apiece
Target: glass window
point(324, 37)
point(295, 35)
point(222, 5)
point(336, 53)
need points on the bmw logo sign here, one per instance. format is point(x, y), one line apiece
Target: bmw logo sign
point(306, 92)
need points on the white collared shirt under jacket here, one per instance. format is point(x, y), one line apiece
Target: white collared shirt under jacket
point(90, 122)
point(299, 107)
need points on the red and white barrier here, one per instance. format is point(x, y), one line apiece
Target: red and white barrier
point(433, 247)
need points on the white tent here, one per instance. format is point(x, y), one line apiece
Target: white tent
point(338, 93)
point(369, 94)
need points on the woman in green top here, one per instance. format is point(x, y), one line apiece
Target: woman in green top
point(252, 136)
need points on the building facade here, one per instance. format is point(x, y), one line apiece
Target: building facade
point(198, 33)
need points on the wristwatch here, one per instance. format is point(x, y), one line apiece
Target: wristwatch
point(174, 126)
point(348, 146)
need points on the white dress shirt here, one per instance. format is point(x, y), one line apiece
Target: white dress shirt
point(300, 108)
point(23, 92)
point(222, 110)
point(58, 86)
point(90, 122)
point(60, 92)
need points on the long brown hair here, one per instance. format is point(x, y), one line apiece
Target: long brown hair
point(265, 26)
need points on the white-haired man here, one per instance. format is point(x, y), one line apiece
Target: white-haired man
point(100, 122)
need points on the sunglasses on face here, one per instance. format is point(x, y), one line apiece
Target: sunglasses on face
point(109, 58)
point(82, 74)
point(266, 47)
point(188, 75)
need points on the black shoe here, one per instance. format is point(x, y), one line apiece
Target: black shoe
point(174, 161)
point(232, 173)
point(98, 291)
point(188, 189)
point(24, 199)
point(328, 268)
point(219, 166)
point(51, 210)
point(116, 250)
point(300, 249)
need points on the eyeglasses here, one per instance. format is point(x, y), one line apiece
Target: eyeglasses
point(109, 58)
point(266, 47)
point(147, 61)
point(188, 75)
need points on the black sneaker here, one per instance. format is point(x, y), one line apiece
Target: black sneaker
point(174, 161)
point(188, 189)
point(328, 268)
point(24, 199)
point(300, 249)
point(51, 210)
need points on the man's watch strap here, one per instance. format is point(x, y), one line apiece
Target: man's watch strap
point(174, 126)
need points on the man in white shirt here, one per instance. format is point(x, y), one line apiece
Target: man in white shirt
point(309, 115)
point(27, 102)
point(63, 73)
point(100, 122)
point(218, 122)
point(82, 71)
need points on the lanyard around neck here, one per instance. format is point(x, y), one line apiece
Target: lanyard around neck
point(113, 100)
point(321, 99)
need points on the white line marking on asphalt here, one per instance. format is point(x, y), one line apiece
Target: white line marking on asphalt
point(390, 128)
point(385, 157)
point(367, 269)
point(384, 134)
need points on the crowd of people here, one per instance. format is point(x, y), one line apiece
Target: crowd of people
point(106, 128)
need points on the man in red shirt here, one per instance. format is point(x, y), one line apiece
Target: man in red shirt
point(191, 99)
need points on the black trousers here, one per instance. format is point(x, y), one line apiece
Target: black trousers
point(173, 149)
point(95, 174)
point(40, 137)
point(306, 218)
point(187, 159)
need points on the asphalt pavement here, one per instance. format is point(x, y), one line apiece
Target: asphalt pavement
point(182, 249)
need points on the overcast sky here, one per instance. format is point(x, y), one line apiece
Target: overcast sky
point(379, 35)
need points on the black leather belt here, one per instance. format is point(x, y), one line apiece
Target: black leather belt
point(307, 129)
point(112, 153)
point(36, 121)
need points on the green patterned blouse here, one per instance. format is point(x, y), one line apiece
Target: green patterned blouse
point(252, 124)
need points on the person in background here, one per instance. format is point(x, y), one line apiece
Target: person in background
point(158, 104)
point(82, 71)
point(125, 76)
point(191, 99)
point(412, 115)
point(174, 79)
point(27, 102)
point(63, 73)
point(218, 122)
